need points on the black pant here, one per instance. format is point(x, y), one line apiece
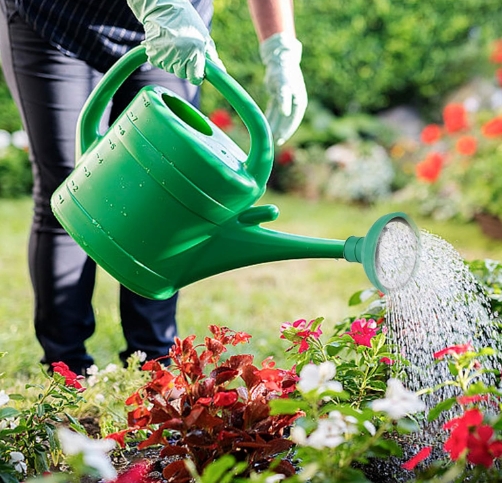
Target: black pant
point(50, 90)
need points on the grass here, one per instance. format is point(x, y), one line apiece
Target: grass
point(254, 299)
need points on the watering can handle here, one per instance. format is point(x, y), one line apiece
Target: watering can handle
point(260, 157)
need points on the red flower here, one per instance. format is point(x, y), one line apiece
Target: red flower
point(138, 473)
point(119, 437)
point(386, 360)
point(222, 119)
point(286, 156)
point(430, 168)
point(456, 444)
point(482, 449)
point(430, 134)
point(465, 400)
point(70, 378)
point(498, 75)
point(469, 436)
point(453, 350)
point(362, 331)
point(455, 118)
point(496, 54)
point(493, 128)
point(466, 145)
point(225, 398)
point(418, 458)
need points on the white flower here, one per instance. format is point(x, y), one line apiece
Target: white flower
point(370, 427)
point(93, 450)
point(313, 376)
point(4, 398)
point(111, 368)
point(398, 401)
point(93, 370)
point(140, 355)
point(17, 460)
point(298, 435)
point(275, 478)
point(330, 431)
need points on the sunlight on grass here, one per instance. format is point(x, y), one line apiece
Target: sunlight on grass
point(254, 299)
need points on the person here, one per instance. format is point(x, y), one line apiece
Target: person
point(53, 53)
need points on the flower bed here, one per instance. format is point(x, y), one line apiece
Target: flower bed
point(207, 416)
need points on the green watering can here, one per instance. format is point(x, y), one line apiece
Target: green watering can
point(165, 198)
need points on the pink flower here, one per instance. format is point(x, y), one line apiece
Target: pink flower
point(386, 360)
point(299, 332)
point(362, 331)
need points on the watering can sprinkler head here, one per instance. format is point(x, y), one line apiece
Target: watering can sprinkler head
point(389, 253)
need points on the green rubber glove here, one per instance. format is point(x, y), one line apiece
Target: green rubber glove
point(176, 38)
point(281, 54)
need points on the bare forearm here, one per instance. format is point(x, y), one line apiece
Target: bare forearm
point(271, 17)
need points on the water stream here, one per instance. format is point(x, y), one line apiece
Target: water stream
point(442, 305)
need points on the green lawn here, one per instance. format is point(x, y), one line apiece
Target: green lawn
point(255, 299)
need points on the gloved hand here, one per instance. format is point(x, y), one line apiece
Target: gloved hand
point(281, 54)
point(176, 38)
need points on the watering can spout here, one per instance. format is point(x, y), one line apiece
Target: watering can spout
point(242, 244)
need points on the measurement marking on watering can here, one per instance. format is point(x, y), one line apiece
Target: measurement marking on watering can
point(112, 144)
point(100, 159)
point(133, 116)
point(121, 130)
point(87, 173)
point(74, 186)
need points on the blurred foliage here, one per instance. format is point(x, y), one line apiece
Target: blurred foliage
point(15, 173)
point(365, 56)
point(489, 275)
point(9, 116)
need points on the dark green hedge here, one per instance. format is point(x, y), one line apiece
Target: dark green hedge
point(368, 55)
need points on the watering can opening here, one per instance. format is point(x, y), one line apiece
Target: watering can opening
point(390, 252)
point(186, 113)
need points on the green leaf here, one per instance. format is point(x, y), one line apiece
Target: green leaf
point(8, 412)
point(445, 405)
point(407, 426)
point(334, 349)
point(286, 406)
point(361, 296)
point(7, 478)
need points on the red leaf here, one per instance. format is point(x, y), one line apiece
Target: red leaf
point(223, 374)
point(239, 362)
point(250, 377)
point(162, 414)
point(173, 450)
point(199, 417)
point(285, 468)
point(155, 438)
point(176, 472)
point(255, 411)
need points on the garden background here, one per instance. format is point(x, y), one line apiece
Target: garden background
point(377, 73)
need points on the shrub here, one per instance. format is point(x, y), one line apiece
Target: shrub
point(367, 56)
point(15, 173)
